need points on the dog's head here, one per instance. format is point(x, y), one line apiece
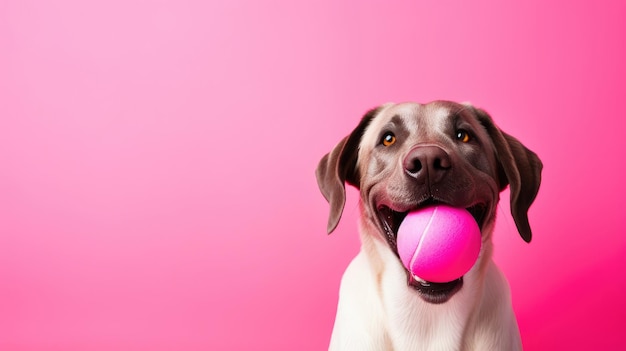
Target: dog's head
point(405, 156)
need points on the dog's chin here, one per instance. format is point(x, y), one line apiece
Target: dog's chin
point(435, 293)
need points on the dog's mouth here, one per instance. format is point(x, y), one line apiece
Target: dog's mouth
point(391, 219)
point(429, 291)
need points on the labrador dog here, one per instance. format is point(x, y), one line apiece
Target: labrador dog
point(403, 157)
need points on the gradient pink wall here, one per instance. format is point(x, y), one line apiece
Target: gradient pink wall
point(157, 159)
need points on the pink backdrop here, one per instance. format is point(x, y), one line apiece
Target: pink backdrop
point(157, 159)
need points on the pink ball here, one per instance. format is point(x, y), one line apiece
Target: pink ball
point(439, 244)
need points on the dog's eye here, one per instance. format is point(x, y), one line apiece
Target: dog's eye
point(463, 136)
point(389, 139)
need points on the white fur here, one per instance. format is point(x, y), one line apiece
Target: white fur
point(378, 311)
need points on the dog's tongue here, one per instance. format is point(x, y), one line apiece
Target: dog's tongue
point(439, 243)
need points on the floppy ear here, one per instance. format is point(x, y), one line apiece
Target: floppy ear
point(340, 166)
point(518, 167)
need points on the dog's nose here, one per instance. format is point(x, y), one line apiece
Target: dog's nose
point(427, 164)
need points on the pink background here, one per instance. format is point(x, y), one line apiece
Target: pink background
point(157, 160)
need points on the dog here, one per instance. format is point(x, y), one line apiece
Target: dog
point(402, 157)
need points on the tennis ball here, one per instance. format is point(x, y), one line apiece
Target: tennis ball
point(439, 243)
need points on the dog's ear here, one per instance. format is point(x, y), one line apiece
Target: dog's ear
point(339, 167)
point(518, 167)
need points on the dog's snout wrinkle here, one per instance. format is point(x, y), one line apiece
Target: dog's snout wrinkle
point(427, 164)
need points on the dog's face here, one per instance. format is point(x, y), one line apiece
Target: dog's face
point(406, 156)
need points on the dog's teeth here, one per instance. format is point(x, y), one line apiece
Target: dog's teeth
point(418, 279)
